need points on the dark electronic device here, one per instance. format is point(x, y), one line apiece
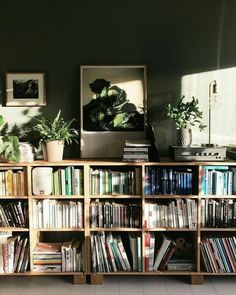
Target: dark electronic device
point(197, 153)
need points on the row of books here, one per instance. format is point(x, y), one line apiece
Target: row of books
point(49, 213)
point(105, 181)
point(67, 181)
point(12, 183)
point(110, 254)
point(64, 181)
point(170, 181)
point(14, 214)
point(58, 257)
point(112, 214)
point(179, 213)
point(14, 253)
point(218, 213)
point(219, 254)
point(218, 180)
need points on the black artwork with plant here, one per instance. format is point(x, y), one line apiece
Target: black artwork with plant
point(111, 110)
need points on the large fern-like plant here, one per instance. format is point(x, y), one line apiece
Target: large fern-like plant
point(56, 129)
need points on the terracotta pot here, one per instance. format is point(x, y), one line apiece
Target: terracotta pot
point(53, 151)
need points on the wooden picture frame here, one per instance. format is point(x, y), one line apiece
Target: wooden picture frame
point(113, 108)
point(25, 89)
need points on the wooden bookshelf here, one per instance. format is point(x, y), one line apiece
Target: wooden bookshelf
point(62, 234)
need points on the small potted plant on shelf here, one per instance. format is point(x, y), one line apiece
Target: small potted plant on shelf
point(185, 115)
point(54, 134)
point(9, 146)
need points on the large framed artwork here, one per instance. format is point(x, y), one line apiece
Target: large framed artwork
point(113, 108)
point(25, 89)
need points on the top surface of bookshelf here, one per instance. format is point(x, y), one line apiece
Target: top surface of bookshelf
point(163, 162)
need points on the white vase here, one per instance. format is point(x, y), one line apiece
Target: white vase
point(184, 137)
point(53, 150)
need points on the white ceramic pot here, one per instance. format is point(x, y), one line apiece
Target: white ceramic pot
point(53, 151)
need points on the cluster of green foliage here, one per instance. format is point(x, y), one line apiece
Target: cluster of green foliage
point(9, 145)
point(56, 129)
point(111, 110)
point(186, 114)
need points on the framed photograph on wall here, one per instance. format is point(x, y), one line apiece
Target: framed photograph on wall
point(25, 89)
point(113, 108)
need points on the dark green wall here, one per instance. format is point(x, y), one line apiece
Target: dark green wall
point(171, 37)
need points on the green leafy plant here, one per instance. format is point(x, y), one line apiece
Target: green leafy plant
point(186, 114)
point(56, 129)
point(9, 145)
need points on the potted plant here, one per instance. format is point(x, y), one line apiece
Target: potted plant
point(54, 134)
point(185, 115)
point(9, 146)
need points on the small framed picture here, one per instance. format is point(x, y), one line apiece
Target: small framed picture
point(25, 89)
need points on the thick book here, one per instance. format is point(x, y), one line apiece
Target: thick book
point(161, 252)
point(134, 251)
point(110, 254)
point(123, 253)
point(138, 143)
point(170, 251)
point(181, 265)
point(22, 255)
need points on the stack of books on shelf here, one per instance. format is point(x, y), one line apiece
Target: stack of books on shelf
point(168, 181)
point(48, 213)
point(67, 181)
point(175, 264)
point(12, 183)
point(109, 254)
point(219, 254)
point(47, 257)
point(218, 180)
point(136, 151)
point(14, 253)
point(179, 213)
point(58, 257)
point(107, 181)
point(64, 181)
point(26, 152)
point(112, 214)
point(218, 212)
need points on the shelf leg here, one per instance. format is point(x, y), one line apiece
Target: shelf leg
point(79, 279)
point(96, 279)
point(197, 280)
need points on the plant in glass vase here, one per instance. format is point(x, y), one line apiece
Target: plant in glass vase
point(185, 115)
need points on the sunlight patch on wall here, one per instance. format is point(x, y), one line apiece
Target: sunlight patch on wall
point(223, 111)
point(19, 115)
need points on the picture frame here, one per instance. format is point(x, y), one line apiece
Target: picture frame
point(25, 89)
point(113, 108)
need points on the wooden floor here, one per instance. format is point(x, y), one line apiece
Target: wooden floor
point(116, 286)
